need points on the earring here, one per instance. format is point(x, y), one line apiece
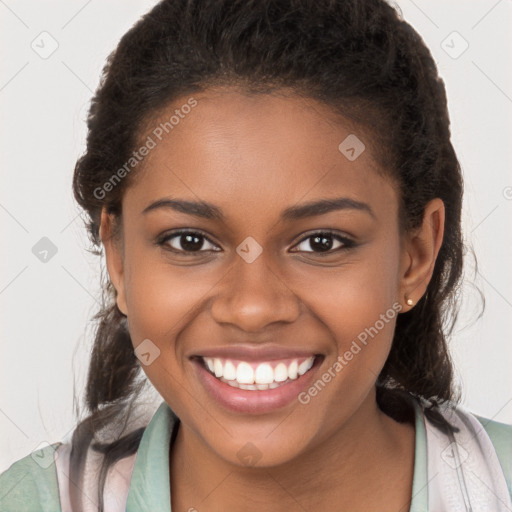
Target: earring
point(409, 302)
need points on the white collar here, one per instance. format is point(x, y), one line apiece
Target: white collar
point(464, 472)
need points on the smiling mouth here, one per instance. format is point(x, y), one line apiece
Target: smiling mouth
point(257, 376)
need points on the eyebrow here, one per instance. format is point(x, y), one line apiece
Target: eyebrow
point(207, 210)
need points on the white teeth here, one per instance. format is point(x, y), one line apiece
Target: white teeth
point(251, 387)
point(264, 374)
point(305, 366)
point(292, 370)
point(280, 373)
point(264, 377)
point(245, 374)
point(217, 366)
point(229, 371)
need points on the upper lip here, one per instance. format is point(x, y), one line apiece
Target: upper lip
point(253, 353)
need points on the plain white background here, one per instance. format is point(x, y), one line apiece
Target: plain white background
point(45, 307)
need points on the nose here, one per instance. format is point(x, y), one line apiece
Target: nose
point(253, 295)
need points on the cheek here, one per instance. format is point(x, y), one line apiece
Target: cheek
point(160, 296)
point(358, 304)
point(353, 296)
point(162, 300)
point(362, 324)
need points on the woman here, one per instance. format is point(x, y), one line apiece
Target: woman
point(279, 204)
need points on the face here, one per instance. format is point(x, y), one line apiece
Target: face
point(255, 287)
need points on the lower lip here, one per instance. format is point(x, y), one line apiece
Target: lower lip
point(253, 402)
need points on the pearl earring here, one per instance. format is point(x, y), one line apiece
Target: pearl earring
point(409, 302)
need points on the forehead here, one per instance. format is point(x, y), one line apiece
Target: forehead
point(256, 153)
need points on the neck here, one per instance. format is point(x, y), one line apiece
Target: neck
point(369, 455)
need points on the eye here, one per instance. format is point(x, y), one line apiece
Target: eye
point(323, 241)
point(186, 242)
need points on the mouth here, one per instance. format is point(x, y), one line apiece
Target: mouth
point(255, 385)
point(257, 376)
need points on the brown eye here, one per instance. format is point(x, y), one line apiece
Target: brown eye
point(187, 241)
point(324, 241)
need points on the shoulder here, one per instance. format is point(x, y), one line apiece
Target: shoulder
point(501, 437)
point(30, 484)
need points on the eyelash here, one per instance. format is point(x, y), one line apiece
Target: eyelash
point(163, 241)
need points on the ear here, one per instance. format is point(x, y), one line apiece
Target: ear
point(114, 258)
point(420, 251)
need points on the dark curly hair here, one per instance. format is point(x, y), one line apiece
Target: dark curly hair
point(356, 56)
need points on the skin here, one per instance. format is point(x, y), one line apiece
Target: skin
point(254, 156)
